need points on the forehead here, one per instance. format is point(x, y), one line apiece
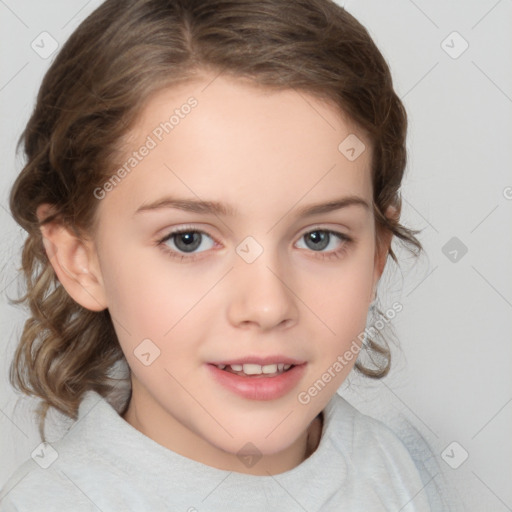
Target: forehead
point(231, 140)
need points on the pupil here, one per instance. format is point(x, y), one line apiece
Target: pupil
point(319, 237)
point(190, 241)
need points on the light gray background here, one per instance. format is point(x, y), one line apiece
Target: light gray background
point(452, 374)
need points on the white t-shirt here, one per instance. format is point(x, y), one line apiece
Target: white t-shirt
point(105, 464)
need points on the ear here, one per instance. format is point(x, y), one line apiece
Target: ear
point(74, 261)
point(381, 252)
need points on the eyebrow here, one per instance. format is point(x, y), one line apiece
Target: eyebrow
point(217, 208)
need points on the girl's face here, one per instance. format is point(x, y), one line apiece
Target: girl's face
point(251, 278)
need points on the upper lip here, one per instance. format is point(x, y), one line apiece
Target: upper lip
point(261, 360)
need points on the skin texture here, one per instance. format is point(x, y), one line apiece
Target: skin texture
point(268, 154)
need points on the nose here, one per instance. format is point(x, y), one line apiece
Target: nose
point(262, 295)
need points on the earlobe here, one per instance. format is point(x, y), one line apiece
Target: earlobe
point(73, 261)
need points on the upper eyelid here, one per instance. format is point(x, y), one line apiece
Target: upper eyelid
point(188, 228)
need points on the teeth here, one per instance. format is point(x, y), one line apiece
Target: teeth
point(253, 369)
point(256, 369)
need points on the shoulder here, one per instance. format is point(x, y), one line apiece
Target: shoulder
point(377, 460)
point(397, 457)
point(32, 487)
point(96, 465)
point(63, 471)
point(362, 437)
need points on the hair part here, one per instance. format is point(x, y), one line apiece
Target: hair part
point(90, 98)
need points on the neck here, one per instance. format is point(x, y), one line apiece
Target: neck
point(168, 432)
point(314, 435)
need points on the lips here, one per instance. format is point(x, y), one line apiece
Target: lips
point(258, 387)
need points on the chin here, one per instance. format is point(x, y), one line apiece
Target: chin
point(266, 438)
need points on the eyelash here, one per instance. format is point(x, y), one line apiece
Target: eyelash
point(336, 254)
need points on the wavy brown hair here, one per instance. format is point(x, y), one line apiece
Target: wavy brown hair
point(89, 99)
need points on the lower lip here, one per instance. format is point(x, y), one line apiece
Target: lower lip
point(259, 388)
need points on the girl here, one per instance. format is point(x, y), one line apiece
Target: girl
point(210, 195)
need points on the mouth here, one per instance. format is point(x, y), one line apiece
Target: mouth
point(255, 381)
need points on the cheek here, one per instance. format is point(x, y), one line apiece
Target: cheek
point(150, 307)
point(150, 297)
point(340, 295)
point(341, 302)
point(140, 296)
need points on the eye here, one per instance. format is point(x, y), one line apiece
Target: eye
point(185, 241)
point(320, 239)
